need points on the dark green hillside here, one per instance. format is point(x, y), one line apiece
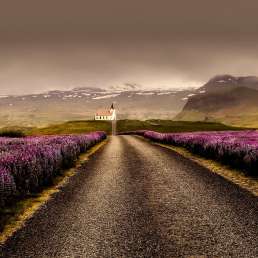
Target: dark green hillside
point(84, 126)
point(171, 126)
point(75, 127)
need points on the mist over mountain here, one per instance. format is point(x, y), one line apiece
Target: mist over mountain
point(224, 98)
point(130, 99)
point(221, 83)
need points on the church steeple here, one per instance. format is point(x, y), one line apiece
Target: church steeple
point(106, 114)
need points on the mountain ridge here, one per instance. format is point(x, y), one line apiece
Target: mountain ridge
point(132, 101)
point(226, 99)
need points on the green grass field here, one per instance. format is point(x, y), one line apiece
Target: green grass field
point(171, 126)
point(77, 127)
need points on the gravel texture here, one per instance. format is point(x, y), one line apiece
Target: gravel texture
point(135, 199)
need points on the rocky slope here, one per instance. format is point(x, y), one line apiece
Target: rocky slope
point(225, 98)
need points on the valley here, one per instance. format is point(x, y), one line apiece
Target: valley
point(223, 99)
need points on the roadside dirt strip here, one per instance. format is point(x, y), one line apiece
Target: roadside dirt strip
point(235, 176)
point(135, 199)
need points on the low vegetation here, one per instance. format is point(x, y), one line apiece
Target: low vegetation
point(171, 126)
point(85, 126)
point(72, 127)
point(30, 163)
point(12, 133)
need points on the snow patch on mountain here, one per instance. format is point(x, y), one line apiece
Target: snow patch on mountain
point(145, 93)
point(163, 93)
point(106, 96)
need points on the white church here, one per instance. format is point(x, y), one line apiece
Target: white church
point(109, 115)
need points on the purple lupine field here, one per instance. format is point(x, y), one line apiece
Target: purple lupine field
point(238, 149)
point(27, 164)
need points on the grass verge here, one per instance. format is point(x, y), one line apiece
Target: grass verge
point(170, 126)
point(14, 217)
point(235, 176)
point(84, 126)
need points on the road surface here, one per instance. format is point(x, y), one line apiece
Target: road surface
point(135, 199)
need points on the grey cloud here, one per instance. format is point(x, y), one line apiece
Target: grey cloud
point(64, 44)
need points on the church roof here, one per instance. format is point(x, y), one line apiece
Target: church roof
point(103, 113)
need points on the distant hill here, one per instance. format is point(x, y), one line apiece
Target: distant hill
point(225, 98)
point(131, 100)
point(222, 83)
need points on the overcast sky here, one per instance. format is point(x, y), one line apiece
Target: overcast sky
point(176, 43)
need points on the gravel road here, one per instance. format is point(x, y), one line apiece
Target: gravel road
point(135, 199)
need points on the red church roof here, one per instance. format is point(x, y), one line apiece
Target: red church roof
point(103, 113)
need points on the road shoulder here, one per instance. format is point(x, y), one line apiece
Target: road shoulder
point(235, 176)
